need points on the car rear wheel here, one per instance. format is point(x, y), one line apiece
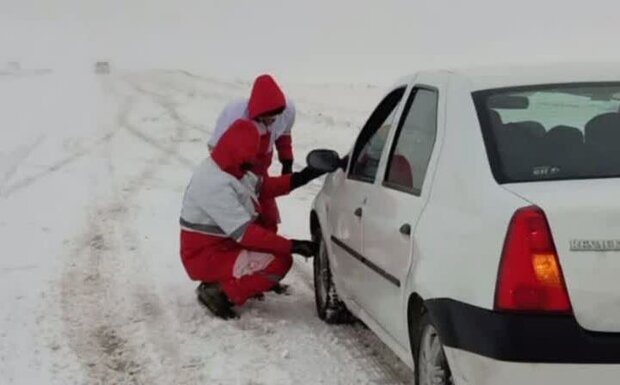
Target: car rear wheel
point(329, 307)
point(431, 365)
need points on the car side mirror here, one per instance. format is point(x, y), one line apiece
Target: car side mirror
point(324, 160)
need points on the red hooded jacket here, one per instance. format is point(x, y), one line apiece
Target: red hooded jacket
point(239, 145)
point(267, 97)
point(205, 222)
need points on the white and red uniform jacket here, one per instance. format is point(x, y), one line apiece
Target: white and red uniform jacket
point(221, 205)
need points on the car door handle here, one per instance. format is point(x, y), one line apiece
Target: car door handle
point(405, 229)
point(358, 212)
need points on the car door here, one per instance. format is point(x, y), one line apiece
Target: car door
point(351, 193)
point(393, 209)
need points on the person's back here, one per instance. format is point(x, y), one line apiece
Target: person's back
point(216, 203)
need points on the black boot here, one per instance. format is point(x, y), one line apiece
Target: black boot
point(278, 288)
point(210, 295)
point(281, 288)
point(259, 297)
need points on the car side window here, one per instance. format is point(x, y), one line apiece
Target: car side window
point(414, 142)
point(372, 138)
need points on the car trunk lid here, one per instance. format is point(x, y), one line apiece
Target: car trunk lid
point(584, 218)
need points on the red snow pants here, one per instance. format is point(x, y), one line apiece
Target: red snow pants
point(241, 273)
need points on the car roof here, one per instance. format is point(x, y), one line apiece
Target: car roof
point(501, 76)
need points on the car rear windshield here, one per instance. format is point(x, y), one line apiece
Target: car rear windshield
point(551, 132)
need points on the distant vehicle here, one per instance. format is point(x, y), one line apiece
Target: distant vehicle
point(13, 66)
point(102, 67)
point(475, 226)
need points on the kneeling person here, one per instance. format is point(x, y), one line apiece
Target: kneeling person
point(223, 243)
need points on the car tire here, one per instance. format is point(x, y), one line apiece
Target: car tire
point(431, 365)
point(329, 307)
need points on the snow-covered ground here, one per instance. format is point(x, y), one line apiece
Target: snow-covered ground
point(92, 171)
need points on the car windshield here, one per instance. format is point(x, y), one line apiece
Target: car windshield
point(551, 132)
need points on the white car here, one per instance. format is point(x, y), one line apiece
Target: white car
point(475, 226)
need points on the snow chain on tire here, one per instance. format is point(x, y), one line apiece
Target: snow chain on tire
point(329, 307)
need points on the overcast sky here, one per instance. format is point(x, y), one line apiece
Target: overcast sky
point(313, 40)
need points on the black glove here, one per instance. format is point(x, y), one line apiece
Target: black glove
point(305, 248)
point(344, 162)
point(304, 176)
point(287, 166)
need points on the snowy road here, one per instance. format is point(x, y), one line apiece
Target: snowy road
point(92, 172)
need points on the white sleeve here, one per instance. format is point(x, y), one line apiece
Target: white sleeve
point(221, 125)
point(290, 118)
point(232, 112)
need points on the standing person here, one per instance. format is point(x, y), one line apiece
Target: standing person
point(274, 116)
point(223, 242)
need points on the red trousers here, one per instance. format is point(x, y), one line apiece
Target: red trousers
point(241, 273)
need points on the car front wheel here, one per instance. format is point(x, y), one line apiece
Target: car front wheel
point(329, 307)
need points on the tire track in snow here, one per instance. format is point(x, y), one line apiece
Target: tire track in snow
point(91, 326)
point(108, 329)
point(383, 366)
point(16, 159)
point(163, 100)
point(167, 150)
point(57, 166)
point(362, 346)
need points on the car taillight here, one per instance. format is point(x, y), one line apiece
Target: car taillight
point(530, 277)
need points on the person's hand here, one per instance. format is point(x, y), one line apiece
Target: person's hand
point(287, 166)
point(304, 176)
point(305, 248)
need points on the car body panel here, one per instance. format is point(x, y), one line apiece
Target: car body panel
point(486, 77)
point(472, 369)
point(462, 229)
point(388, 210)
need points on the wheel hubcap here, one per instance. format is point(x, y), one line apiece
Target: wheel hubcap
point(433, 365)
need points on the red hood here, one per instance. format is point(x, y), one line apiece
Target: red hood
point(238, 145)
point(266, 97)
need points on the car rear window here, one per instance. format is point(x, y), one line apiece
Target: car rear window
point(551, 132)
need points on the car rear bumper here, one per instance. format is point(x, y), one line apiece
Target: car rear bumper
point(473, 369)
point(526, 338)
